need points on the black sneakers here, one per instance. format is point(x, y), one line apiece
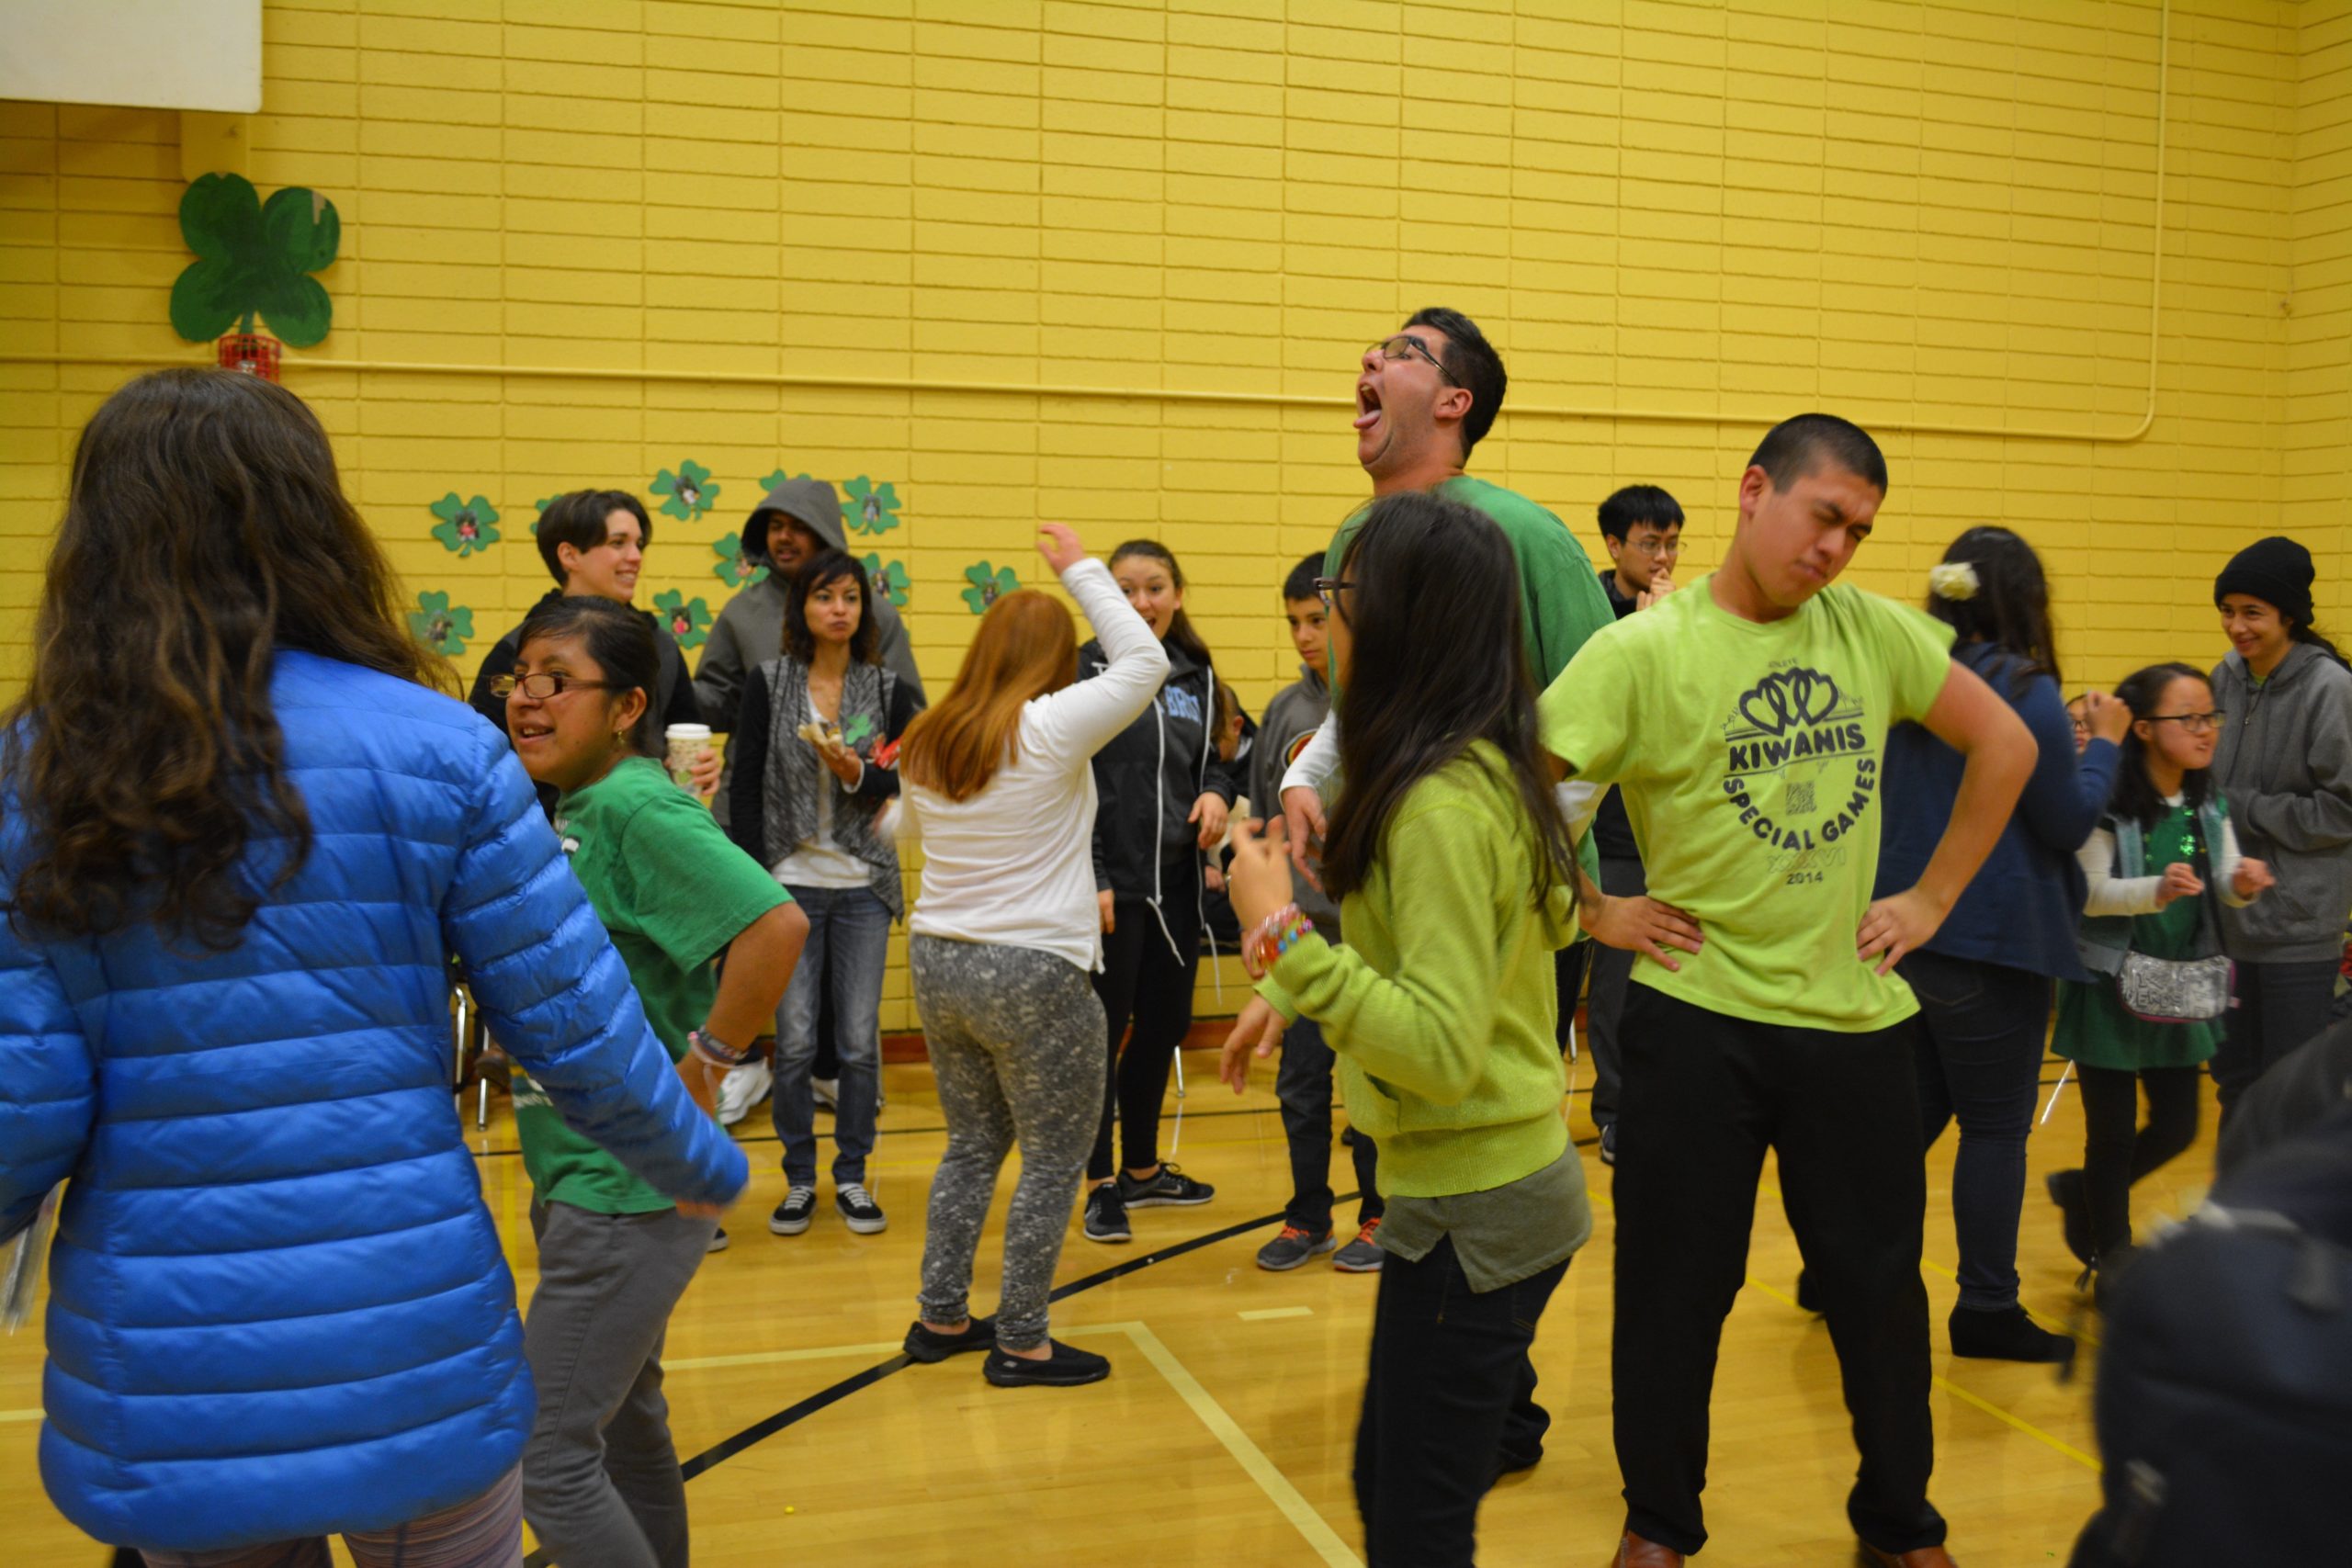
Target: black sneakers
point(792, 1215)
point(1106, 1217)
point(859, 1211)
point(717, 1240)
point(1170, 1188)
point(927, 1346)
point(1067, 1368)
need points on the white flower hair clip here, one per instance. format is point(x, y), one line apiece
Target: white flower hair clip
point(1953, 580)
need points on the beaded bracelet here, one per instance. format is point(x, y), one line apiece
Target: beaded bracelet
point(714, 1050)
point(1280, 932)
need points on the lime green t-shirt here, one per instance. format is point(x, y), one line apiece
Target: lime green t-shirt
point(672, 892)
point(1750, 758)
point(1560, 598)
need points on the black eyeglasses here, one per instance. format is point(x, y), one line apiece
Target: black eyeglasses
point(1405, 345)
point(2191, 723)
point(1326, 588)
point(539, 688)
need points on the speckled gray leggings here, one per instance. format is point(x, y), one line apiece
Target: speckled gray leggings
point(1015, 1038)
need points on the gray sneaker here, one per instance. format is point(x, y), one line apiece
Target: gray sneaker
point(1361, 1256)
point(1293, 1247)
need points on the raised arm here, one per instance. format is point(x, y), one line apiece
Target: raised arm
point(2065, 794)
point(1079, 720)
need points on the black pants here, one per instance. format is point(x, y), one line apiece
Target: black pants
point(1449, 1400)
point(1978, 1048)
point(1613, 971)
point(1146, 982)
point(1303, 1084)
point(1705, 1096)
point(2118, 1151)
point(2280, 1006)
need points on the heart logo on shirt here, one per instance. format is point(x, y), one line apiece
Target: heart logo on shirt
point(1789, 698)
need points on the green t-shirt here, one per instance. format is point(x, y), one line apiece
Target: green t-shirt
point(1749, 757)
point(672, 892)
point(1560, 599)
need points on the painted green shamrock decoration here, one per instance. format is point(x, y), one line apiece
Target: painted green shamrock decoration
point(988, 585)
point(777, 478)
point(690, 490)
point(871, 508)
point(735, 569)
point(253, 259)
point(688, 620)
point(440, 626)
point(889, 580)
point(466, 526)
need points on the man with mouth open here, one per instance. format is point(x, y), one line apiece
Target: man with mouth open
point(594, 541)
point(1424, 398)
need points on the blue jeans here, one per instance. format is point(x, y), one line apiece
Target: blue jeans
point(1978, 1050)
point(849, 941)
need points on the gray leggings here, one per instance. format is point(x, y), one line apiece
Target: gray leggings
point(1016, 1044)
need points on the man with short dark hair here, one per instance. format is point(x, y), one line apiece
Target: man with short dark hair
point(1641, 526)
point(1745, 721)
point(594, 541)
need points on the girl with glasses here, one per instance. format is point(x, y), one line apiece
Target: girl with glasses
point(2161, 857)
point(600, 1475)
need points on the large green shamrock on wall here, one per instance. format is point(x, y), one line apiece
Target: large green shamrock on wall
point(988, 585)
point(889, 580)
point(466, 526)
point(735, 569)
point(254, 259)
point(688, 620)
point(871, 508)
point(440, 626)
point(690, 490)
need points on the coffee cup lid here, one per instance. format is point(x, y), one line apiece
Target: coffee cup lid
point(687, 732)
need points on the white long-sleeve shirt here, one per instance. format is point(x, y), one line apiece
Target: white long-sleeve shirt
point(1015, 865)
point(1318, 760)
point(2113, 894)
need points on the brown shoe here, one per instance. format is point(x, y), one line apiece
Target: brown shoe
point(1633, 1551)
point(1925, 1557)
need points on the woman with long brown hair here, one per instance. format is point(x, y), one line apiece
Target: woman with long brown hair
point(998, 781)
point(240, 837)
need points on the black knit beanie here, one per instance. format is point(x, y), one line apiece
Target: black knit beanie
point(2276, 570)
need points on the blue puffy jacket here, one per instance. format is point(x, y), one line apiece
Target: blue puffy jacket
point(278, 1307)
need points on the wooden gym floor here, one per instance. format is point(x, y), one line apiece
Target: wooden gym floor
point(1223, 1438)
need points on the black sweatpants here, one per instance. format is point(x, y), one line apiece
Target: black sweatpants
point(2118, 1151)
point(1704, 1095)
point(2278, 1006)
point(1146, 982)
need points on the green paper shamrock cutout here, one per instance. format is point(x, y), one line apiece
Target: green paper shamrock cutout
point(254, 259)
point(871, 508)
point(735, 569)
point(439, 625)
point(889, 580)
point(690, 490)
point(857, 730)
point(988, 585)
point(466, 526)
point(777, 478)
point(688, 620)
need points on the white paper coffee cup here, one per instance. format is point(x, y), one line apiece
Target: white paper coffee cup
point(685, 743)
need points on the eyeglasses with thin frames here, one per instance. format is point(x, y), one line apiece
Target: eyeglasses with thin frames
point(1653, 545)
point(2191, 723)
point(1405, 345)
point(1327, 588)
point(539, 688)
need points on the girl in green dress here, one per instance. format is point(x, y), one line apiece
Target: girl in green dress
point(2166, 832)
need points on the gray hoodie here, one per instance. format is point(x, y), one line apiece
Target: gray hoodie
point(1291, 719)
point(2283, 761)
point(751, 627)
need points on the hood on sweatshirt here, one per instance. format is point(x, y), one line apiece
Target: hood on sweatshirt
point(813, 502)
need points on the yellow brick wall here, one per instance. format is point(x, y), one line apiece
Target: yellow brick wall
point(1679, 222)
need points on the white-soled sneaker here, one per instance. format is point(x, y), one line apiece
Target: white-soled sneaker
point(742, 1088)
point(859, 1211)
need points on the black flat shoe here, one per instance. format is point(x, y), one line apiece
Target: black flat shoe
point(2008, 1336)
point(924, 1345)
point(2066, 1189)
point(1067, 1366)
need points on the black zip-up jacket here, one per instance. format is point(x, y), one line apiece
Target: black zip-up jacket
point(1147, 779)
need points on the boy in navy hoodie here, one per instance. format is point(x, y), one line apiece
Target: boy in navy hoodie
point(1304, 1084)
